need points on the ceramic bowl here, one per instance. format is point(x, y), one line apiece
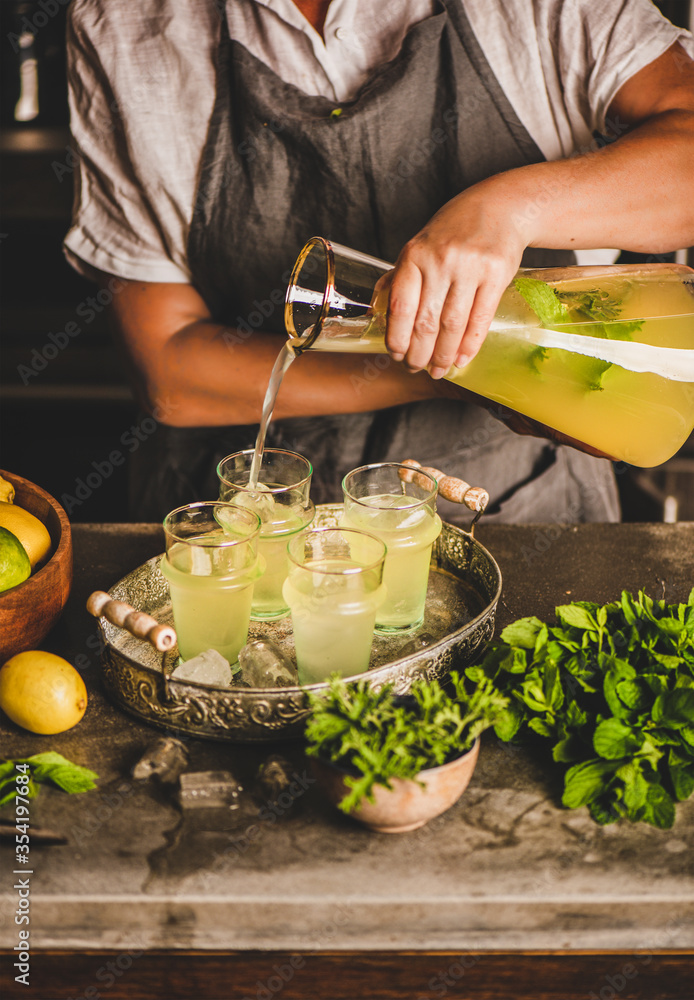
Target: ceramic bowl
point(408, 805)
point(31, 609)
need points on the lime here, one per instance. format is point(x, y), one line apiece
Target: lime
point(42, 692)
point(15, 566)
point(32, 533)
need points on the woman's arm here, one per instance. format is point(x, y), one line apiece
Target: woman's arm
point(636, 193)
point(203, 374)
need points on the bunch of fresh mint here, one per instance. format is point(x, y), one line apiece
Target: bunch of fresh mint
point(378, 735)
point(612, 687)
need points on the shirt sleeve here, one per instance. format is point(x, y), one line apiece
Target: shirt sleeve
point(141, 92)
point(599, 46)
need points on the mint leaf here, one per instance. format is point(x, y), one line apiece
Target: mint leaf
point(576, 616)
point(612, 739)
point(54, 768)
point(659, 809)
point(542, 299)
point(585, 782)
point(675, 709)
point(681, 774)
point(508, 722)
point(522, 632)
point(635, 787)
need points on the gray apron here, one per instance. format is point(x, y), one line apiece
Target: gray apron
point(280, 166)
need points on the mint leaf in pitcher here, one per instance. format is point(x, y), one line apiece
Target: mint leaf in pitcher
point(542, 299)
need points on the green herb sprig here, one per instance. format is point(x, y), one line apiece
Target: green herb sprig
point(379, 736)
point(44, 768)
point(612, 688)
point(596, 307)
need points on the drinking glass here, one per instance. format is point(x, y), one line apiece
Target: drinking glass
point(334, 587)
point(211, 564)
point(281, 501)
point(403, 515)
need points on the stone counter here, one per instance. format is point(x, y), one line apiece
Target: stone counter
point(505, 869)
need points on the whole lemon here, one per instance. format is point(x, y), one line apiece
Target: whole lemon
point(32, 533)
point(14, 561)
point(42, 692)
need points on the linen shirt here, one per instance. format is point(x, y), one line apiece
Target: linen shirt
point(141, 80)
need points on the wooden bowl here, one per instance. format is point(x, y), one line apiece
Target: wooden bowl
point(30, 610)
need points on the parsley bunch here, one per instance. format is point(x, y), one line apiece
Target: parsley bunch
point(613, 688)
point(377, 735)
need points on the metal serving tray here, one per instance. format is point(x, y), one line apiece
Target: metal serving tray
point(464, 589)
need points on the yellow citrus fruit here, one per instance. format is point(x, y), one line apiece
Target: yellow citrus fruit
point(14, 561)
point(6, 490)
point(32, 533)
point(42, 692)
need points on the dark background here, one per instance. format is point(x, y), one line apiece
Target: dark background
point(58, 427)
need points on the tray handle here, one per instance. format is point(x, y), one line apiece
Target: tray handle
point(456, 490)
point(450, 488)
point(138, 623)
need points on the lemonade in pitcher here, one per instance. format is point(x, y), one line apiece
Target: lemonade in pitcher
point(602, 354)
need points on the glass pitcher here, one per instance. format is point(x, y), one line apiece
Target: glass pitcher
point(602, 354)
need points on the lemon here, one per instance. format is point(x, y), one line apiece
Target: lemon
point(14, 561)
point(32, 533)
point(6, 490)
point(42, 692)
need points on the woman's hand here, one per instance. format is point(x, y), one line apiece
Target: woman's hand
point(448, 280)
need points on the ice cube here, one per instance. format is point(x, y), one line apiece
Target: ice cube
point(209, 667)
point(259, 500)
point(209, 790)
point(164, 759)
point(413, 518)
point(200, 560)
point(263, 664)
point(275, 775)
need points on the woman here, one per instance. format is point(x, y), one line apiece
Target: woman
point(455, 137)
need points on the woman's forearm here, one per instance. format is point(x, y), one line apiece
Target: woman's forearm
point(636, 194)
point(221, 378)
point(204, 374)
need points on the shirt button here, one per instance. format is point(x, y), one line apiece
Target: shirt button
point(342, 33)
